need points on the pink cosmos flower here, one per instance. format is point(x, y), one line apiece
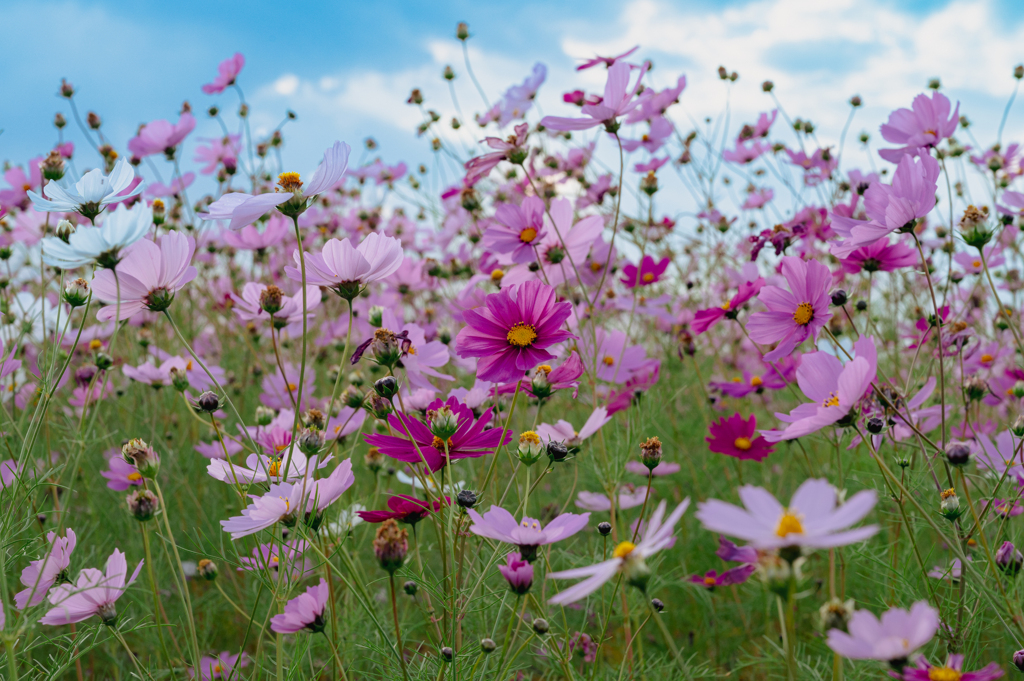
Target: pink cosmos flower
point(157, 190)
point(749, 383)
point(707, 318)
point(95, 593)
point(1001, 457)
point(710, 579)
point(270, 558)
point(227, 72)
point(516, 229)
point(149, 274)
point(952, 669)
point(161, 137)
point(811, 519)
point(249, 307)
point(251, 239)
point(792, 315)
point(264, 468)
point(217, 151)
point(481, 166)
point(517, 572)
point(16, 196)
point(893, 637)
point(834, 388)
point(347, 269)
point(627, 557)
point(628, 497)
point(758, 198)
point(121, 474)
point(618, 101)
point(734, 436)
point(512, 332)
point(221, 667)
point(305, 611)
point(563, 431)
point(880, 256)
point(282, 500)
point(215, 450)
point(616, 361)
point(663, 468)
point(660, 130)
point(562, 245)
point(746, 153)
point(41, 574)
point(500, 525)
point(924, 126)
point(607, 61)
point(648, 273)
point(971, 263)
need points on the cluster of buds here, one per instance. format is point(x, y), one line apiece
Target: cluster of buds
point(137, 453)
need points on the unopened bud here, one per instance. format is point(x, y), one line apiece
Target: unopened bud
point(540, 626)
point(835, 614)
point(839, 298)
point(143, 504)
point(64, 230)
point(488, 646)
point(264, 415)
point(1018, 426)
point(208, 402)
point(271, 299)
point(179, 379)
point(207, 569)
point(949, 506)
point(1018, 657)
point(605, 528)
point(374, 460)
point(137, 453)
point(557, 451)
point(530, 447)
point(466, 499)
point(376, 317)
point(76, 293)
point(462, 31)
point(875, 425)
point(311, 440)
point(390, 545)
point(411, 588)
point(958, 454)
point(658, 605)
point(1008, 559)
point(650, 452)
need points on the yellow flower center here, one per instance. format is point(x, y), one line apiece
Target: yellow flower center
point(987, 358)
point(623, 549)
point(804, 314)
point(976, 263)
point(275, 468)
point(789, 524)
point(217, 669)
point(648, 278)
point(943, 674)
point(438, 444)
point(737, 379)
point(95, 344)
point(756, 381)
point(292, 387)
point(709, 581)
point(289, 182)
point(522, 335)
point(528, 235)
point(595, 266)
point(496, 275)
point(727, 305)
point(948, 493)
point(529, 436)
point(742, 443)
point(135, 477)
point(608, 360)
point(832, 401)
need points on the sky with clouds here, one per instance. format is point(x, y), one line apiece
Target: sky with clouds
point(347, 68)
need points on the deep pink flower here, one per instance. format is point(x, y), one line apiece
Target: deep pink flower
point(95, 593)
point(794, 315)
point(881, 256)
point(618, 101)
point(41, 574)
point(149, 275)
point(734, 436)
point(21, 183)
point(518, 573)
point(648, 273)
point(227, 72)
point(512, 332)
point(517, 229)
point(746, 153)
point(305, 611)
point(952, 669)
point(161, 137)
point(707, 318)
point(481, 166)
point(500, 525)
point(924, 126)
point(711, 578)
point(404, 509)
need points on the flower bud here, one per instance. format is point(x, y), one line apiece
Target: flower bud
point(875, 425)
point(488, 646)
point(1018, 660)
point(530, 447)
point(374, 459)
point(59, 121)
point(949, 505)
point(975, 389)
point(1008, 559)
point(379, 407)
point(958, 454)
point(658, 605)
point(376, 317)
point(207, 569)
point(518, 573)
point(104, 361)
point(385, 348)
point(411, 588)
point(605, 528)
point(159, 212)
point(64, 230)
point(271, 300)
point(264, 415)
point(390, 545)
point(137, 453)
point(76, 293)
point(447, 653)
point(1018, 426)
point(179, 379)
point(540, 626)
point(314, 418)
point(352, 398)
point(443, 422)
point(466, 499)
point(311, 440)
point(52, 166)
point(835, 614)
point(557, 451)
point(208, 402)
point(462, 31)
point(839, 298)
point(650, 452)
point(143, 504)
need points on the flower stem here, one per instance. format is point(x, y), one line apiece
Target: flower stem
point(398, 630)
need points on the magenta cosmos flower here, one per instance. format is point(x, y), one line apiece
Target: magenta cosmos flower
point(925, 125)
point(811, 519)
point(880, 256)
point(707, 318)
point(517, 229)
point(734, 436)
point(618, 101)
point(161, 137)
point(607, 61)
point(518, 573)
point(627, 557)
point(648, 273)
point(500, 525)
point(95, 593)
point(710, 579)
point(346, 269)
point(479, 167)
point(41, 574)
point(227, 73)
point(471, 439)
point(149, 275)
point(305, 611)
point(893, 637)
point(404, 509)
point(792, 315)
point(952, 670)
point(511, 333)
point(834, 389)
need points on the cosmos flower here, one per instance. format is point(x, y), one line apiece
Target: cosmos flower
point(618, 101)
point(616, 360)
point(707, 318)
point(481, 166)
point(404, 509)
point(305, 611)
point(563, 431)
point(282, 500)
point(710, 579)
point(95, 593)
point(500, 525)
point(121, 474)
point(518, 573)
point(627, 557)
point(893, 637)
point(161, 137)
point(264, 468)
point(734, 436)
point(922, 127)
point(41, 574)
point(952, 670)
point(101, 245)
point(880, 256)
point(149, 275)
point(517, 229)
point(217, 151)
point(811, 519)
point(649, 272)
point(91, 194)
point(347, 269)
point(794, 315)
point(628, 497)
point(222, 666)
point(663, 468)
point(256, 299)
point(227, 73)
point(249, 238)
point(607, 61)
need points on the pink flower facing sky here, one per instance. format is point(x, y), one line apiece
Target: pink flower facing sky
point(481, 166)
point(500, 525)
point(649, 272)
point(618, 100)
point(925, 125)
point(734, 436)
point(707, 318)
point(95, 593)
point(513, 330)
point(347, 269)
point(811, 520)
point(517, 229)
point(953, 669)
point(794, 315)
point(42, 574)
point(834, 388)
point(305, 611)
point(149, 274)
point(227, 73)
point(627, 557)
point(161, 137)
point(893, 637)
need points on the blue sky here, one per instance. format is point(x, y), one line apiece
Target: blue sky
point(346, 67)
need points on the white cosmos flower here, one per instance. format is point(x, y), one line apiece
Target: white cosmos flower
point(30, 314)
point(90, 195)
point(100, 245)
point(348, 518)
point(449, 488)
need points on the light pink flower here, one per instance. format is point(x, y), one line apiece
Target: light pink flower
point(305, 611)
point(617, 101)
point(345, 268)
point(227, 72)
point(95, 593)
point(161, 137)
point(895, 636)
point(41, 574)
point(149, 276)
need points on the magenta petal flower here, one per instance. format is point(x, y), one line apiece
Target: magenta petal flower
point(95, 593)
point(794, 315)
point(518, 573)
point(952, 669)
point(305, 611)
point(925, 125)
point(734, 436)
point(648, 273)
point(500, 525)
point(811, 519)
point(517, 230)
point(736, 575)
point(149, 274)
point(41, 574)
point(893, 637)
point(227, 72)
point(511, 333)
point(707, 318)
point(404, 509)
